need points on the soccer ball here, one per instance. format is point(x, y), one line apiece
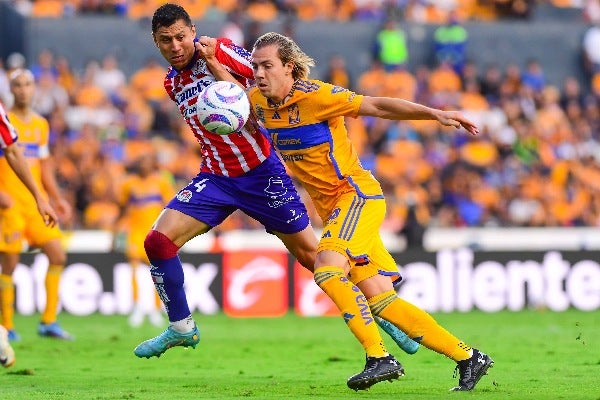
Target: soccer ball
point(223, 108)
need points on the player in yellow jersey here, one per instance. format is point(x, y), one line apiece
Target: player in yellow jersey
point(20, 222)
point(142, 196)
point(305, 119)
point(17, 162)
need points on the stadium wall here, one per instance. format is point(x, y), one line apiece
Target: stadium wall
point(555, 42)
point(260, 279)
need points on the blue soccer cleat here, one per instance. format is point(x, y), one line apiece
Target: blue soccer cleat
point(169, 338)
point(402, 340)
point(13, 336)
point(53, 330)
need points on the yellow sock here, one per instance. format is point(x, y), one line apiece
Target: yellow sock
point(52, 283)
point(134, 283)
point(7, 301)
point(354, 308)
point(418, 325)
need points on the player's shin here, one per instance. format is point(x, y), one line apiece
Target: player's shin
point(419, 325)
point(353, 306)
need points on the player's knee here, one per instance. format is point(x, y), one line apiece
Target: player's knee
point(158, 245)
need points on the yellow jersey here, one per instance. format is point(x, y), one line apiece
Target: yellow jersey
point(33, 140)
point(310, 134)
point(144, 199)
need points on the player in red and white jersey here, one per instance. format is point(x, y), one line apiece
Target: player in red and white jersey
point(239, 171)
point(16, 160)
point(231, 155)
point(8, 134)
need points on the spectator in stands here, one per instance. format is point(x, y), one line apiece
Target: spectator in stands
point(591, 49)
point(44, 65)
point(337, 72)
point(148, 81)
point(533, 76)
point(450, 43)
point(109, 77)
point(391, 47)
point(491, 83)
point(49, 95)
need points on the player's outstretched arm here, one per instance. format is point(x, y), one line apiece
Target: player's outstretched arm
point(18, 163)
point(399, 109)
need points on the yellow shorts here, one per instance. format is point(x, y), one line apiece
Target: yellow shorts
point(352, 229)
point(135, 244)
point(21, 223)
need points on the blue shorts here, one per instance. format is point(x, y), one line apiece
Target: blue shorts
point(266, 194)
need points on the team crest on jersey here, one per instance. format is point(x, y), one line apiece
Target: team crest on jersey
point(293, 114)
point(184, 195)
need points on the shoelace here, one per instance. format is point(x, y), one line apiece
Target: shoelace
point(464, 372)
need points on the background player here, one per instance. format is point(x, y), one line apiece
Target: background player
point(305, 119)
point(234, 175)
point(19, 222)
point(18, 163)
point(142, 196)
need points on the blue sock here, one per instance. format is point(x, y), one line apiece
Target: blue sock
point(167, 275)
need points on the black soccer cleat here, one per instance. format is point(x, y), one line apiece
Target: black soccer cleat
point(471, 370)
point(377, 369)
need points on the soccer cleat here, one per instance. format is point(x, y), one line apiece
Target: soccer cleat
point(13, 336)
point(169, 338)
point(7, 354)
point(53, 330)
point(408, 345)
point(377, 369)
point(471, 370)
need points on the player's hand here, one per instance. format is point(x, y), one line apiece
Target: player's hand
point(47, 212)
point(206, 46)
point(456, 119)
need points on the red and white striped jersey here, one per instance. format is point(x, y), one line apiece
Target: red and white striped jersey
point(230, 155)
point(8, 133)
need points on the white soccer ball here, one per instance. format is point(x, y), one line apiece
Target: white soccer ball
point(223, 108)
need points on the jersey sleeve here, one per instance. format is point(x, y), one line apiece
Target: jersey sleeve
point(8, 133)
point(235, 58)
point(335, 101)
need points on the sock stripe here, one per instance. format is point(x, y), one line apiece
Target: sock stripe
point(322, 276)
point(378, 305)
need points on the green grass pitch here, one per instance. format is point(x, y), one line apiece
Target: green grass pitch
point(538, 354)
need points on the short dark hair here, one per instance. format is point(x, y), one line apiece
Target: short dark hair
point(168, 14)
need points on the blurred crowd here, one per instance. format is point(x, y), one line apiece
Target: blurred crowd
point(534, 163)
point(423, 11)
